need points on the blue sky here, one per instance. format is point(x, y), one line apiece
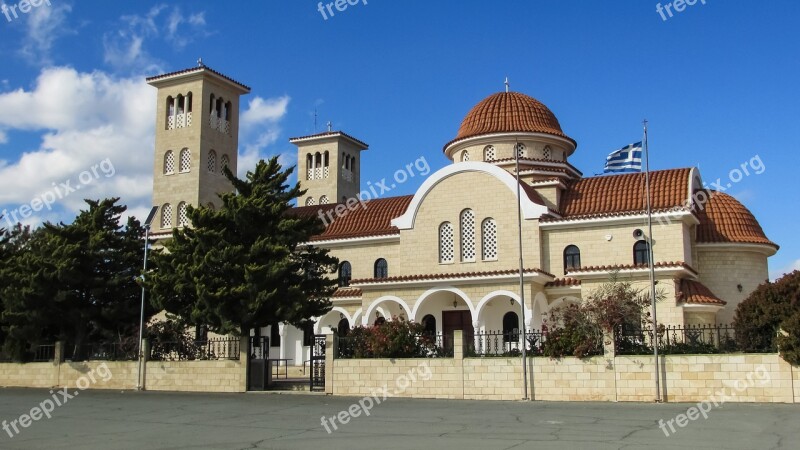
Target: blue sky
point(717, 81)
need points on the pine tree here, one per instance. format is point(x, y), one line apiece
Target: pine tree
point(246, 264)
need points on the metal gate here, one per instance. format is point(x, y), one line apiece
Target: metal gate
point(258, 372)
point(317, 363)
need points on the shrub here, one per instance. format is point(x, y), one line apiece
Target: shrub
point(397, 338)
point(572, 333)
point(759, 317)
point(789, 339)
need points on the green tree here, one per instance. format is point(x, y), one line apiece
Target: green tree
point(76, 282)
point(246, 264)
point(759, 317)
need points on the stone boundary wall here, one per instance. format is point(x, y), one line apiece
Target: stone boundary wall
point(181, 376)
point(722, 378)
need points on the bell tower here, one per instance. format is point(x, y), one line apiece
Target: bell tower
point(197, 135)
point(329, 167)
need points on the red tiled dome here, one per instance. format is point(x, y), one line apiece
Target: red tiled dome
point(724, 220)
point(507, 112)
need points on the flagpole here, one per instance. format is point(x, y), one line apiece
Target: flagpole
point(651, 265)
point(521, 281)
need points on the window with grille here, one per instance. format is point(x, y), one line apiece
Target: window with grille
point(345, 274)
point(446, 248)
point(169, 162)
point(166, 216)
point(183, 215)
point(572, 258)
point(310, 201)
point(520, 150)
point(641, 253)
point(186, 160)
point(489, 154)
point(381, 268)
point(464, 156)
point(324, 200)
point(547, 153)
point(224, 162)
point(212, 161)
point(467, 235)
point(489, 239)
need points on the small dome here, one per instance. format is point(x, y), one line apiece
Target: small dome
point(724, 220)
point(508, 112)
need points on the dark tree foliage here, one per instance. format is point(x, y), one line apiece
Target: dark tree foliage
point(246, 265)
point(74, 282)
point(761, 315)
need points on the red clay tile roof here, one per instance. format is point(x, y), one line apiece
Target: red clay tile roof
point(536, 160)
point(374, 219)
point(329, 133)
point(196, 69)
point(440, 276)
point(563, 282)
point(694, 292)
point(344, 292)
point(508, 112)
point(616, 194)
point(615, 267)
point(724, 220)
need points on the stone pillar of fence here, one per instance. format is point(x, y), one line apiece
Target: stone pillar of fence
point(58, 356)
point(609, 349)
point(458, 345)
point(244, 358)
point(330, 355)
point(145, 357)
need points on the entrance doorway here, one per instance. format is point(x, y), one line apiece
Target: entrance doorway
point(456, 320)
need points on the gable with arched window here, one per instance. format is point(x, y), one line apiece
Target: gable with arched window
point(345, 274)
point(641, 253)
point(572, 258)
point(467, 223)
point(446, 247)
point(381, 268)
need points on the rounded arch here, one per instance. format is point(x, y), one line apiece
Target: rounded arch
point(356, 317)
point(336, 310)
point(386, 298)
point(538, 311)
point(563, 301)
point(427, 294)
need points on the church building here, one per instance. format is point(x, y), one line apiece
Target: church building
point(448, 255)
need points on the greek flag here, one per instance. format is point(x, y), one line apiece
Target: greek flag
point(626, 159)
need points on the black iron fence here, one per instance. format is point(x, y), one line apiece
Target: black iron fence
point(101, 351)
point(508, 343)
point(211, 349)
point(421, 346)
point(676, 339)
point(44, 353)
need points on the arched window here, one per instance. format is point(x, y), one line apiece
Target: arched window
point(381, 268)
point(218, 108)
point(275, 335)
point(324, 200)
point(572, 258)
point(467, 235)
point(170, 113)
point(510, 327)
point(325, 164)
point(212, 161)
point(166, 216)
point(169, 162)
point(183, 214)
point(185, 161)
point(180, 104)
point(343, 328)
point(310, 201)
point(224, 163)
point(188, 105)
point(489, 153)
point(228, 108)
point(446, 247)
point(213, 106)
point(353, 164)
point(345, 274)
point(641, 253)
point(489, 239)
point(547, 153)
point(464, 156)
point(309, 167)
point(429, 322)
point(520, 150)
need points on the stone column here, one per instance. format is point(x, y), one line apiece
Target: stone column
point(58, 357)
point(609, 349)
point(330, 356)
point(244, 359)
point(145, 358)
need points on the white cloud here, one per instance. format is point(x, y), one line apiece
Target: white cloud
point(85, 118)
point(3, 137)
point(260, 129)
point(775, 274)
point(43, 26)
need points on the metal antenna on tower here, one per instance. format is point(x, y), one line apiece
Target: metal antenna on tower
point(200, 62)
point(330, 126)
point(507, 84)
point(315, 120)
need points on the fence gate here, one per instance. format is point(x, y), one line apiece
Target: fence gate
point(258, 374)
point(317, 363)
